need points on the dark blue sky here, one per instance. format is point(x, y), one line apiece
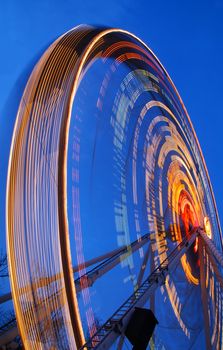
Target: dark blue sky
point(187, 37)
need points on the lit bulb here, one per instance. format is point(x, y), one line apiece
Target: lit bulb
point(207, 227)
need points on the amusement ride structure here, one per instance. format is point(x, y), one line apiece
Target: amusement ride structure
point(110, 209)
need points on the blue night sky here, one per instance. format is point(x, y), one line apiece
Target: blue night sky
point(187, 37)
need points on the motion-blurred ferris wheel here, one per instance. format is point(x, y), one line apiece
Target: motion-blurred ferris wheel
point(109, 203)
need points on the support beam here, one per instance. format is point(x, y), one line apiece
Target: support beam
point(117, 323)
point(214, 265)
point(89, 278)
point(107, 262)
point(5, 297)
point(212, 248)
point(8, 336)
point(204, 295)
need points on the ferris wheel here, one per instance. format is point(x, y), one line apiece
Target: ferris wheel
point(109, 202)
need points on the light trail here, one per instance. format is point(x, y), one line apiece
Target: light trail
point(147, 175)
